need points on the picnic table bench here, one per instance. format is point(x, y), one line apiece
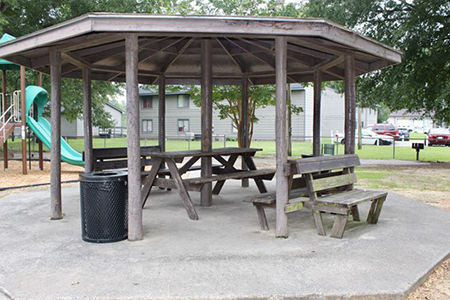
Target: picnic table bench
point(325, 186)
point(170, 177)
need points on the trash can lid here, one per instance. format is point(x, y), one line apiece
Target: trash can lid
point(103, 176)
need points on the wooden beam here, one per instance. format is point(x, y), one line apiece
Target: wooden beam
point(147, 53)
point(290, 56)
point(350, 103)
point(87, 121)
point(180, 52)
point(41, 147)
point(162, 113)
point(289, 118)
point(317, 111)
point(206, 117)
point(76, 60)
point(24, 123)
point(133, 139)
point(86, 41)
point(55, 151)
point(4, 107)
point(263, 57)
point(325, 65)
point(266, 59)
point(281, 133)
point(227, 51)
point(244, 124)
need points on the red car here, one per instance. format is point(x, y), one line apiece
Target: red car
point(385, 129)
point(438, 136)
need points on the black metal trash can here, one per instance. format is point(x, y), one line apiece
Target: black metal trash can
point(104, 206)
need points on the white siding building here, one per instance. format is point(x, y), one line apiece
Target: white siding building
point(75, 129)
point(183, 116)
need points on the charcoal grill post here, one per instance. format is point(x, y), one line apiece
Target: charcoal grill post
point(418, 147)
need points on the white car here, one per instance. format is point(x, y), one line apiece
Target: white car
point(369, 138)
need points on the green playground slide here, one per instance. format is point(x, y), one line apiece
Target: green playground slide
point(41, 127)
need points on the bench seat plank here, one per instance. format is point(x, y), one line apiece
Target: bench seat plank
point(351, 198)
point(266, 174)
point(270, 198)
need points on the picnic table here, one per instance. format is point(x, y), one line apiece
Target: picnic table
point(224, 170)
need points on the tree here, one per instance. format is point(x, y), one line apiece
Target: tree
point(20, 17)
point(227, 99)
point(421, 29)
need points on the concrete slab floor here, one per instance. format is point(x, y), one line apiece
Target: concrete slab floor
point(224, 255)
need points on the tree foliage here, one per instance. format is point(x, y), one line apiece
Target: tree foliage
point(20, 17)
point(227, 100)
point(421, 29)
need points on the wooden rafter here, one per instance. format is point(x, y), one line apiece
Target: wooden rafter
point(291, 56)
point(176, 56)
point(268, 61)
point(227, 51)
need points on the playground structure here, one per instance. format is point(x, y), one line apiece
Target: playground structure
point(35, 99)
point(12, 115)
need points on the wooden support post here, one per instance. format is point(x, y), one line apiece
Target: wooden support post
point(133, 139)
point(317, 111)
point(4, 107)
point(350, 103)
point(289, 118)
point(244, 124)
point(281, 135)
point(41, 148)
point(24, 121)
point(87, 121)
point(162, 113)
point(359, 128)
point(55, 151)
point(206, 116)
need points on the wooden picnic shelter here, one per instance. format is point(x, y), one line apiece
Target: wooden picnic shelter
point(203, 50)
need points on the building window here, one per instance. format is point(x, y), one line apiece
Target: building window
point(183, 101)
point(183, 125)
point(147, 102)
point(147, 125)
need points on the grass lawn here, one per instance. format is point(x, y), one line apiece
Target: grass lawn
point(298, 148)
point(417, 136)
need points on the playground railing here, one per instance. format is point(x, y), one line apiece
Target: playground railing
point(16, 104)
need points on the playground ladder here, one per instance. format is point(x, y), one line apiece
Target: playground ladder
point(9, 116)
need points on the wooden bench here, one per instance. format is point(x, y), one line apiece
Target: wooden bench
point(330, 192)
point(116, 158)
point(196, 183)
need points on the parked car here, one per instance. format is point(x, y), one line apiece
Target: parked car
point(369, 138)
point(384, 129)
point(403, 132)
point(438, 136)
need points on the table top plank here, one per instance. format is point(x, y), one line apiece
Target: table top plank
point(199, 153)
